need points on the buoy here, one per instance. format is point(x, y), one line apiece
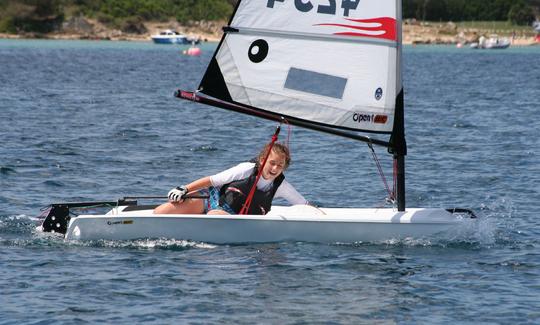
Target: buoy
point(192, 51)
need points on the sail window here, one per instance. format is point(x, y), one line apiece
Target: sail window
point(315, 83)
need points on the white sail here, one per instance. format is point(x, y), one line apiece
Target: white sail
point(335, 63)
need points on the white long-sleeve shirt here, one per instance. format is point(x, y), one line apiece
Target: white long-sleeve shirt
point(244, 170)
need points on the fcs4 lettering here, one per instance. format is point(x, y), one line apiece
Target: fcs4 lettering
point(328, 7)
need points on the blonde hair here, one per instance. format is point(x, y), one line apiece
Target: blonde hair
point(277, 148)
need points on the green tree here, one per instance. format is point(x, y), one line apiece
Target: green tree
point(211, 10)
point(460, 10)
point(194, 10)
point(456, 9)
point(436, 10)
point(40, 16)
point(521, 14)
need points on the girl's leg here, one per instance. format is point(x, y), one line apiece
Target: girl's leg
point(217, 211)
point(189, 206)
point(213, 202)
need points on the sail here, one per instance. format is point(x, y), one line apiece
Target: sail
point(334, 63)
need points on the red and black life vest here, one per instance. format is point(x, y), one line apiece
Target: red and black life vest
point(235, 193)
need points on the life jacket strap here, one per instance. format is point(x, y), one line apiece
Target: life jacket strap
point(249, 198)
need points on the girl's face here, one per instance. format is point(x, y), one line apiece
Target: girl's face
point(274, 166)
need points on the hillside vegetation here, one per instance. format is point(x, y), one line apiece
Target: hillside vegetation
point(519, 12)
point(48, 15)
point(44, 16)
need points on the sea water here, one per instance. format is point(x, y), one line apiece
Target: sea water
point(90, 120)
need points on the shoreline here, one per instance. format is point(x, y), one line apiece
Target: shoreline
point(450, 34)
point(413, 33)
point(80, 28)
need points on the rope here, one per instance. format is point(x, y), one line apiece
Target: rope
point(391, 196)
point(247, 204)
point(289, 133)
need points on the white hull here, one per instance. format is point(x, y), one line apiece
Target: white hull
point(170, 37)
point(492, 43)
point(297, 223)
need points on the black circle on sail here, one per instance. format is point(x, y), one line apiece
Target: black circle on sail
point(378, 93)
point(258, 51)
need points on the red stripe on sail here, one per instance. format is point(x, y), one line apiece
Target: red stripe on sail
point(385, 25)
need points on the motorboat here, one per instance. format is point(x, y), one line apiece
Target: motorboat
point(493, 42)
point(170, 37)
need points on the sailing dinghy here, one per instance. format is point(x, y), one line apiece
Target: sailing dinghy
point(330, 66)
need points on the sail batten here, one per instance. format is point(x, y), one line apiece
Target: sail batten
point(310, 36)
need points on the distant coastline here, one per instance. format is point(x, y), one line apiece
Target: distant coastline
point(80, 28)
point(413, 32)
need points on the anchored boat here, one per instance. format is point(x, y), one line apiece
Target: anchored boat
point(172, 37)
point(274, 62)
point(494, 42)
point(169, 37)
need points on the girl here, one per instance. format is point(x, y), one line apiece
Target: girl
point(228, 190)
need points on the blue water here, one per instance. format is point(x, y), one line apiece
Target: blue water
point(85, 120)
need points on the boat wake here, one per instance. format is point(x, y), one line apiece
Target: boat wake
point(17, 224)
point(146, 244)
point(493, 227)
point(23, 230)
point(483, 232)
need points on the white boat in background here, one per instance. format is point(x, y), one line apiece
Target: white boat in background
point(536, 26)
point(261, 68)
point(170, 37)
point(496, 42)
point(493, 42)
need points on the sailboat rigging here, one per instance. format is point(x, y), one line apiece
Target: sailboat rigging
point(314, 64)
point(260, 68)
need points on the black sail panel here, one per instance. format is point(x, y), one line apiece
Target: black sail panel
point(213, 84)
point(398, 144)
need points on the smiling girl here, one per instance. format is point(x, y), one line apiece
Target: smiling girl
point(229, 189)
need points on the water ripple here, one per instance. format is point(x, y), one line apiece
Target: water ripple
point(104, 124)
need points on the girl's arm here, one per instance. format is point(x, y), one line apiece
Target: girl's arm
point(198, 184)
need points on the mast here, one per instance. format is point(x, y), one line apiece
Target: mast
point(398, 145)
point(398, 148)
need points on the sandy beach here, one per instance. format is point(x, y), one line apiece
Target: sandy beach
point(91, 29)
point(450, 33)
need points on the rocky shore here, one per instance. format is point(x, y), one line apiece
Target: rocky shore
point(450, 33)
point(413, 32)
point(80, 28)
